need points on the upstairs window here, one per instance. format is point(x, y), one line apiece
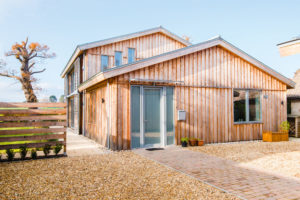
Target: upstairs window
point(118, 58)
point(247, 106)
point(104, 63)
point(131, 55)
point(71, 82)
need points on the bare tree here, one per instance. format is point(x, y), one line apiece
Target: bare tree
point(28, 56)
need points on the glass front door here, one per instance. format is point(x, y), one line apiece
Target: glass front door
point(152, 116)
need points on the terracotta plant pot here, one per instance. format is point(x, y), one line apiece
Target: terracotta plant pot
point(200, 142)
point(193, 142)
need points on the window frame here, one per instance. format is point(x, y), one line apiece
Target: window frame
point(134, 56)
point(101, 66)
point(247, 106)
point(121, 61)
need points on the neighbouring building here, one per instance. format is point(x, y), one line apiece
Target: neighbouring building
point(151, 88)
point(293, 103)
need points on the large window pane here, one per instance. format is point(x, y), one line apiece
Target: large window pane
point(135, 117)
point(131, 55)
point(239, 99)
point(254, 106)
point(170, 116)
point(118, 58)
point(104, 62)
point(152, 115)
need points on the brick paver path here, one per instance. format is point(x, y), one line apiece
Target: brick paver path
point(244, 182)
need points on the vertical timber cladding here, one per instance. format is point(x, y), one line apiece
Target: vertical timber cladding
point(145, 46)
point(96, 114)
point(207, 96)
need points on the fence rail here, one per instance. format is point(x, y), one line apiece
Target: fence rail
point(33, 124)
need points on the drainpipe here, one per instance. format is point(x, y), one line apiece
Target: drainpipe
point(108, 111)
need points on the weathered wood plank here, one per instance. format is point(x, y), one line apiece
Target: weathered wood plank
point(32, 131)
point(31, 124)
point(31, 105)
point(31, 145)
point(27, 118)
point(33, 111)
point(32, 138)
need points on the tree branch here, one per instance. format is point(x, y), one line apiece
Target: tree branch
point(10, 76)
point(31, 65)
point(36, 72)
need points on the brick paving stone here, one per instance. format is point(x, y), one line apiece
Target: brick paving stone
point(226, 174)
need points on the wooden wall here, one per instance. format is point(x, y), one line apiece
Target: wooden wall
point(95, 116)
point(146, 46)
point(209, 77)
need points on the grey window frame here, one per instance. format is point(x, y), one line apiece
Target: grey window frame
point(247, 106)
point(121, 61)
point(134, 57)
point(101, 67)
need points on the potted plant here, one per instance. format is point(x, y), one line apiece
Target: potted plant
point(184, 141)
point(200, 142)
point(33, 154)
point(193, 142)
point(23, 152)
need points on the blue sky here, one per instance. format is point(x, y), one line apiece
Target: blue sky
point(253, 26)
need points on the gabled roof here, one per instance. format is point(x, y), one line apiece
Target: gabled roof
point(116, 71)
point(80, 48)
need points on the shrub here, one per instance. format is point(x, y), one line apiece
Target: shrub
point(57, 148)
point(33, 154)
point(0, 156)
point(47, 149)
point(23, 152)
point(285, 126)
point(10, 154)
point(185, 139)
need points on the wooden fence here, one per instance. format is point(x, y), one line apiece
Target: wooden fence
point(35, 124)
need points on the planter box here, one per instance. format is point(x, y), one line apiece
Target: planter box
point(270, 136)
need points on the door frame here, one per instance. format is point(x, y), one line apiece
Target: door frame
point(163, 116)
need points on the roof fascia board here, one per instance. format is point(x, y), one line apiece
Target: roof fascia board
point(71, 61)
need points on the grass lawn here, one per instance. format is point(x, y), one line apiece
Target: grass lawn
point(118, 175)
point(281, 158)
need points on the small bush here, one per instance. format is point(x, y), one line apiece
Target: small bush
point(185, 139)
point(0, 156)
point(47, 149)
point(57, 148)
point(23, 152)
point(33, 154)
point(10, 154)
point(285, 126)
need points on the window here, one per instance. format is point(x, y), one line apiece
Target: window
point(104, 62)
point(118, 58)
point(72, 82)
point(131, 55)
point(247, 106)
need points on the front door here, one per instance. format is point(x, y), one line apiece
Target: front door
point(152, 117)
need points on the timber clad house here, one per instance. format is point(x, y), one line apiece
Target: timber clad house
point(151, 88)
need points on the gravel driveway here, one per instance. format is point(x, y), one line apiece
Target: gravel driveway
point(117, 175)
